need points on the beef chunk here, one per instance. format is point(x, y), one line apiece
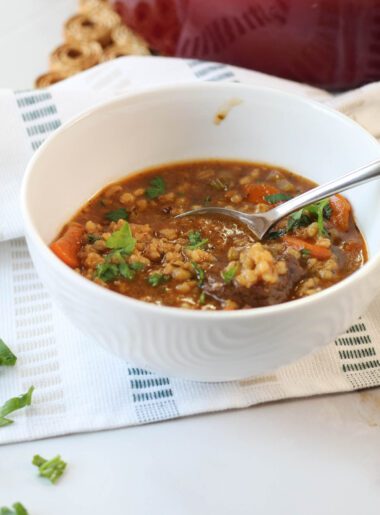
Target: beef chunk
point(260, 294)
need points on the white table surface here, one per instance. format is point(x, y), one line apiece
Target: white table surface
point(307, 457)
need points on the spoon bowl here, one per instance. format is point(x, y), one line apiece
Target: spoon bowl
point(260, 223)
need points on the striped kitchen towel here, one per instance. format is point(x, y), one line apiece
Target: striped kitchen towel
point(78, 385)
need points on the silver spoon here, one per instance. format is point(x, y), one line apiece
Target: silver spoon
point(260, 223)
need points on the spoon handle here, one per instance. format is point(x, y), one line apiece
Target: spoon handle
point(358, 176)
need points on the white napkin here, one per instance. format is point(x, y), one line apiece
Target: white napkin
point(78, 385)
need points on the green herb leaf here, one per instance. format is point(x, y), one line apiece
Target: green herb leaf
point(202, 298)
point(274, 235)
point(305, 252)
point(51, 469)
point(218, 184)
point(122, 239)
point(327, 211)
point(115, 266)
point(156, 279)
point(92, 238)
point(196, 241)
point(126, 271)
point(117, 214)
point(18, 509)
point(7, 358)
point(116, 256)
point(14, 404)
point(303, 217)
point(137, 266)
point(5, 422)
point(277, 197)
point(298, 219)
point(156, 187)
point(317, 209)
point(199, 272)
point(207, 200)
point(107, 272)
point(230, 273)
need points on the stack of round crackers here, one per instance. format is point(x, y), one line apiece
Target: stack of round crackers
point(94, 35)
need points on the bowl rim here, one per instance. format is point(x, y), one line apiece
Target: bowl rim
point(155, 309)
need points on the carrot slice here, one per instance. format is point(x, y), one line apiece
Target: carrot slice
point(68, 245)
point(315, 250)
point(257, 192)
point(341, 210)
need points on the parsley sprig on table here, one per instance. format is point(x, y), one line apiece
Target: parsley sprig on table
point(18, 509)
point(156, 188)
point(196, 241)
point(51, 469)
point(14, 404)
point(7, 358)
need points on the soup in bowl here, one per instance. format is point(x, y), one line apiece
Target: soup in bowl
point(199, 297)
point(128, 238)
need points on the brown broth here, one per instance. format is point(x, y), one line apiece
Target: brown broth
point(275, 271)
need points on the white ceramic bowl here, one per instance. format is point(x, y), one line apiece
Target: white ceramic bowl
point(175, 123)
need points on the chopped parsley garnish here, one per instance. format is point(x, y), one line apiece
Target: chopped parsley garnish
point(207, 200)
point(126, 272)
point(277, 197)
point(115, 267)
point(107, 272)
point(117, 214)
point(137, 266)
point(199, 272)
point(318, 210)
point(202, 298)
point(116, 256)
point(18, 509)
point(219, 184)
point(92, 238)
point(230, 273)
point(305, 252)
point(321, 210)
point(7, 358)
point(303, 217)
point(156, 279)
point(51, 469)
point(196, 241)
point(298, 219)
point(13, 404)
point(122, 239)
point(156, 187)
point(327, 210)
point(273, 235)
